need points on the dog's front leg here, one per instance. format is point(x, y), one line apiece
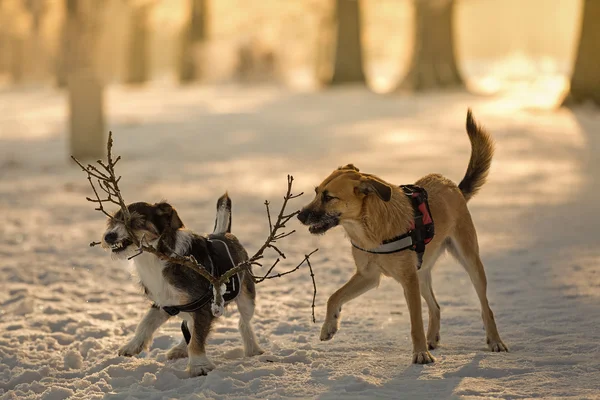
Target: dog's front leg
point(362, 281)
point(153, 319)
point(198, 363)
point(410, 283)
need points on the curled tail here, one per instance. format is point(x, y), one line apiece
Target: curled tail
point(223, 219)
point(482, 150)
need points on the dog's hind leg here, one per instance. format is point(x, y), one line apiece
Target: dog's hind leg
point(246, 304)
point(465, 249)
point(433, 328)
point(153, 319)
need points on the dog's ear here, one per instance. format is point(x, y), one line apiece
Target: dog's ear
point(370, 185)
point(350, 167)
point(166, 211)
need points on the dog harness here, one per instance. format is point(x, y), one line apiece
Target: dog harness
point(421, 231)
point(232, 287)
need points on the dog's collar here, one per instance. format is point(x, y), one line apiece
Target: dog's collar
point(232, 288)
point(421, 232)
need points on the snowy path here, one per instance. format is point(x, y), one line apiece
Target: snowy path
point(66, 308)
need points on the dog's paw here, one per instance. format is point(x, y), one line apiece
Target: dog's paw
point(422, 357)
point(177, 352)
point(199, 366)
point(132, 348)
point(432, 343)
point(497, 346)
point(329, 329)
point(254, 351)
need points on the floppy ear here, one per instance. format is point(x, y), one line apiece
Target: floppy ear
point(370, 185)
point(170, 214)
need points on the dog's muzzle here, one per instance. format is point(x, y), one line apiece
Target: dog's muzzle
point(115, 244)
point(318, 222)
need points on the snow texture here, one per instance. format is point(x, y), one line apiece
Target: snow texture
point(66, 308)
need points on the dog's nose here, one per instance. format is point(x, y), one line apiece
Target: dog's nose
point(303, 216)
point(111, 237)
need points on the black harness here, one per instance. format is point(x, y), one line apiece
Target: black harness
point(421, 232)
point(232, 287)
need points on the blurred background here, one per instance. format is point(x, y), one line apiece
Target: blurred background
point(81, 48)
point(204, 96)
point(301, 43)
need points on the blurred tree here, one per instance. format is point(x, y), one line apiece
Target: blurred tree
point(193, 36)
point(347, 59)
point(36, 10)
point(17, 59)
point(433, 63)
point(585, 81)
point(3, 50)
point(86, 111)
point(137, 56)
point(67, 31)
point(15, 24)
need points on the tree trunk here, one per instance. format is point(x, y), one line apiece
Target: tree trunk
point(137, 56)
point(86, 109)
point(65, 58)
point(17, 59)
point(585, 81)
point(193, 36)
point(348, 60)
point(86, 117)
point(433, 63)
point(3, 51)
point(37, 10)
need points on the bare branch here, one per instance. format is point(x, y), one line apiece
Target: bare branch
point(108, 182)
point(283, 235)
point(279, 275)
point(312, 276)
point(269, 217)
point(259, 280)
point(277, 250)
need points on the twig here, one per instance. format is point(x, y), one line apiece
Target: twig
point(269, 217)
point(108, 182)
point(279, 275)
point(312, 276)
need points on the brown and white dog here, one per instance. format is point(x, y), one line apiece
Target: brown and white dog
point(170, 286)
point(372, 211)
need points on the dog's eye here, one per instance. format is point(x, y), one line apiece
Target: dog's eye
point(327, 198)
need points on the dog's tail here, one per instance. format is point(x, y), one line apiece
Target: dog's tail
point(223, 219)
point(482, 150)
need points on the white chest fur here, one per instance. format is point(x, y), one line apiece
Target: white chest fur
point(150, 273)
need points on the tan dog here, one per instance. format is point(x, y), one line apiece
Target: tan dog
point(373, 211)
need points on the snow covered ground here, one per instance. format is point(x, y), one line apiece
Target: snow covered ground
point(65, 308)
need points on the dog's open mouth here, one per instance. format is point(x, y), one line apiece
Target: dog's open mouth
point(120, 246)
point(323, 226)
